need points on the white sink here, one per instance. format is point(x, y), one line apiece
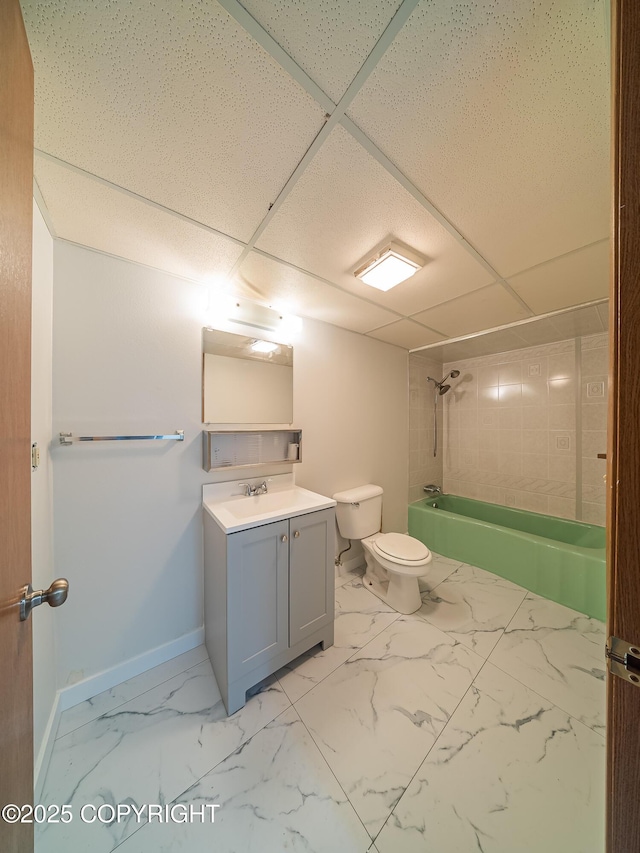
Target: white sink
point(240, 513)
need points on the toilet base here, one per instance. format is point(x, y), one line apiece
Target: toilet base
point(400, 592)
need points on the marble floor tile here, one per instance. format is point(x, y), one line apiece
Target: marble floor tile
point(348, 577)
point(511, 773)
point(275, 794)
point(473, 606)
point(439, 570)
point(148, 750)
point(376, 717)
point(559, 653)
point(360, 615)
point(80, 714)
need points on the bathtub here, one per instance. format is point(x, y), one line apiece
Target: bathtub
point(556, 558)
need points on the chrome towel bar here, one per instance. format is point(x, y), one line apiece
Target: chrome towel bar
point(67, 438)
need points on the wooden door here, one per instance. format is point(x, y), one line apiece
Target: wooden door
point(16, 193)
point(311, 574)
point(623, 474)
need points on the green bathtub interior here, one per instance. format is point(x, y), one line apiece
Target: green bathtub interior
point(556, 558)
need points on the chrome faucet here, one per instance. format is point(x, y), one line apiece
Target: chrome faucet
point(251, 491)
point(432, 490)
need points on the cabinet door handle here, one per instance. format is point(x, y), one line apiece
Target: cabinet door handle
point(284, 538)
point(296, 535)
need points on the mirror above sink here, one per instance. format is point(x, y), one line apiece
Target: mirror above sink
point(245, 379)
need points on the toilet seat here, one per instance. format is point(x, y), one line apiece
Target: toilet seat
point(389, 550)
point(401, 548)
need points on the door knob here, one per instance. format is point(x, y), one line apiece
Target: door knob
point(296, 535)
point(54, 596)
point(284, 538)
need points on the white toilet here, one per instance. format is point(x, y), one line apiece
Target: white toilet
point(395, 561)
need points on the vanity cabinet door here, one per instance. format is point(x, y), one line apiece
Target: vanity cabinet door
point(311, 574)
point(257, 595)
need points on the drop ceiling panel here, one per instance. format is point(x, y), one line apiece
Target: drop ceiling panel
point(578, 277)
point(272, 283)
point(499, 112)
point(573, 324)
point(407, 334)
point(87, 212)
point(174, 101)
point(329, 40)
point(345, 205)
point(543, 330)
point(502, 340)
point(484, 309)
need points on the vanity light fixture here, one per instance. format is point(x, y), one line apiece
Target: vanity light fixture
point(263, 346)
point(390, 266)
point(247, 313)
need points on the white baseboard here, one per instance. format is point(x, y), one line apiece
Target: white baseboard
point(46, 748)
point(98, 683)
point(108, 678)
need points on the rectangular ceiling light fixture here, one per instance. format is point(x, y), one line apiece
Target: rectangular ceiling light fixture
point(390, 266)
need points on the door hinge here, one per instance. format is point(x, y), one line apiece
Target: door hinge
point(623, 660)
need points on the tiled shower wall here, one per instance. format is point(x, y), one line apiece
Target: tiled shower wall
point(524, 428)
point(423, 466)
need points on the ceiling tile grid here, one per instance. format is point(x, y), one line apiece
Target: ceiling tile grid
point(483, 309)
point(588, 320)
point(343, 207)
point(87, 212)
point(329, 39)
point(498, 111)
point(580, 276)
point(174, 101)
point(270, 282)
point(407, 334)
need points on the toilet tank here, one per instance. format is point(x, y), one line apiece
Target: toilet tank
point(359, 511)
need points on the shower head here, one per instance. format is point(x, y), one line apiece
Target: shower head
point(453, 374)
point(441, 388)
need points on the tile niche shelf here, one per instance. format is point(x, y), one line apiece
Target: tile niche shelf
point(249, 448)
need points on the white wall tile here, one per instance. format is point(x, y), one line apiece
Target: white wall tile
point(594, 513)
point(562, 417)
point(562, 391)
point(535, 392)
point(510, 418)
point(526, 429)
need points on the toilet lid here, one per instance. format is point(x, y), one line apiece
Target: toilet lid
point(399, 546)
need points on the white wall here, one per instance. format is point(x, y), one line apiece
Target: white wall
point(127, 360)
point(350, 399)
point(44, 669)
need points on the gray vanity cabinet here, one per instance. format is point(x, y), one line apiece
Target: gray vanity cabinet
point(257, 595)
point(269, 597)
point(311, 574)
